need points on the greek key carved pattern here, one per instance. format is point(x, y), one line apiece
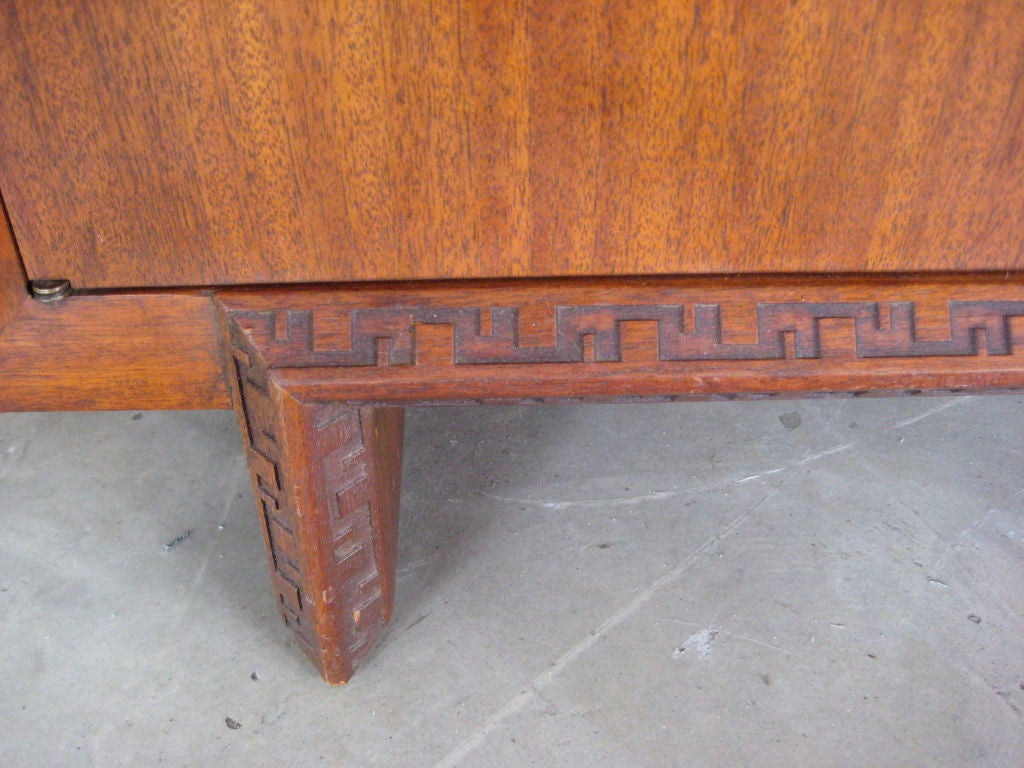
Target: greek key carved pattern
point(278, 519)
point(347, 479)
point(480, 336)
point(337, 602)
point(353, 580)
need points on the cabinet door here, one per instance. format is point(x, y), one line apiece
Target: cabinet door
point(169, 142)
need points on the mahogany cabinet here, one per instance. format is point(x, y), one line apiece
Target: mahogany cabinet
point(322, 212)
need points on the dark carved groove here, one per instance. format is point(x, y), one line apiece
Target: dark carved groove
point(277, 517)
point(333, 562)
point(346, 474)
point(351, 582)
point(287, 338)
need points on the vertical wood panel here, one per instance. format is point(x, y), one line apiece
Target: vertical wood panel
point(168, 142)
point(13, 285)
point(495, 51)
point(567, 62)
point(427, 94)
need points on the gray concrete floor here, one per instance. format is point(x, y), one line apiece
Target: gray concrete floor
point(827, 583)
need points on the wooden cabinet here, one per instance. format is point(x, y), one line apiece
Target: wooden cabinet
point(653, 199)
point(202, 142)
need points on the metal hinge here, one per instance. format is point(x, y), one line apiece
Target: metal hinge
point(50, 290)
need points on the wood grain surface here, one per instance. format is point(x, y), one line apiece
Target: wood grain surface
point(628, 339)
point(13, 283)
point(326, 478)
point(112, 352)
point(316, 373)
point(195, 142)
point(105, 352)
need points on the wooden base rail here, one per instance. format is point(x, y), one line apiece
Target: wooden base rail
point(320, 375)
point(798, 155)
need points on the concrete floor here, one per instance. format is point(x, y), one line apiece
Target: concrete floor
point(826, 583)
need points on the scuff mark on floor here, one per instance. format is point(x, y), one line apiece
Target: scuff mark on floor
point(805, 460)
point(176, 541)
point(927, 414)
point(698, 644)
point(538, 684)
point(570, 503)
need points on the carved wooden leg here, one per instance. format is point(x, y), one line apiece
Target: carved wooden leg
point(326, 478)
point(326, 475)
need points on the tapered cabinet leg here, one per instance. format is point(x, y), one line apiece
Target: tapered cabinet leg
point(326, 478)
point(327, 475)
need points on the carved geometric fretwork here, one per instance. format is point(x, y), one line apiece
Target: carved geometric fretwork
point(318, 371)
point(278, 519)
point(348, 489)
point(328, 526)
point(387, 336)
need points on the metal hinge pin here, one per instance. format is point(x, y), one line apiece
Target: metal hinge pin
point(50, 290)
